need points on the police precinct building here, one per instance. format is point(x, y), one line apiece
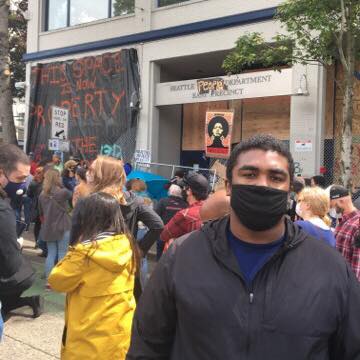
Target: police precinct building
point(146, 78)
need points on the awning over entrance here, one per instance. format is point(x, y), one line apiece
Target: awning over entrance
point(241, 86)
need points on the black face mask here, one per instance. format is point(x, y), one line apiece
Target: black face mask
point(258, 208)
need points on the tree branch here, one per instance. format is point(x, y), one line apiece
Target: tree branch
point(339, 39)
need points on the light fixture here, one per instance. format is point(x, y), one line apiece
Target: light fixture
point(303, 86)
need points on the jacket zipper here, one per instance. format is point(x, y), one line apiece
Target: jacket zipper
point(251, 297)
point(251, 290)
point(251, 301)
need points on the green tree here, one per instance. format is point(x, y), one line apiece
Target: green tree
point(325, 32)
point(17, 45)
point(123, 7)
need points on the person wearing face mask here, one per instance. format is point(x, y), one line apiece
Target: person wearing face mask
point(348, 228)
point(16, 273)
point(195, 189)
point(251, 285)
point(313, 206)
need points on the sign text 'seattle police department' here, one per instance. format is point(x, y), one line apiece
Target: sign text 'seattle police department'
point(241, 86)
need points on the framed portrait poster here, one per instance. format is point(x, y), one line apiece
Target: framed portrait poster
point(218, 133)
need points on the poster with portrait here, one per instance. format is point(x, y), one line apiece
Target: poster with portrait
point(218, 132)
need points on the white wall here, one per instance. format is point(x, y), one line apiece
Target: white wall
point(307, 118)
point(169, 136)
point(192, 11)
point(146, 18)
point(306, 112)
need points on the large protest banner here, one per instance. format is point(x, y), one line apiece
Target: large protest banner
point(102, 96)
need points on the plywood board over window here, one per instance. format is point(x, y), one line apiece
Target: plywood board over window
point(270, 115)
point(194, 123)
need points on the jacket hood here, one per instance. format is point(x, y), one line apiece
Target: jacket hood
point(111, 253)
point(215, 230)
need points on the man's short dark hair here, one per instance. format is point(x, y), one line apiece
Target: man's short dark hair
point(297, 186)
point(320, 181)
point(259, 142)
point(222, 121)
point(10, 156)
point(180, 173)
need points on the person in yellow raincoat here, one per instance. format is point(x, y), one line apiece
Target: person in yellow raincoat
point(97, 274)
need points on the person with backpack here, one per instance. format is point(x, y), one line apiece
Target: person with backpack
point(107, 174)
point(97, 274)
point(55, 220)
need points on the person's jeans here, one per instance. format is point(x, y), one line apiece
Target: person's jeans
point(56, 251)
point(18, 213)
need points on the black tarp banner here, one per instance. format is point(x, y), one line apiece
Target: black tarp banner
point(102, 95)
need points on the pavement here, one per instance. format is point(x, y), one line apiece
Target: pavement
point(26, 338)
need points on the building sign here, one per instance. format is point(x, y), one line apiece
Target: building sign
point(218, 132)
point(303, 146)
point(241, 86)
point(53, 144)
point(59, 123)
point(85, 102)
point(209, 86)
point(142, 156)
point(58, 145)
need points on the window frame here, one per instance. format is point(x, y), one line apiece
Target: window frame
point(179, 2)
point(68, 15)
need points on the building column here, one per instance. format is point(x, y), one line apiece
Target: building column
point(307, 119)
point(148, 126)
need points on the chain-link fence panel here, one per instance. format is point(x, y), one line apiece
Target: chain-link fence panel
point(168, 171)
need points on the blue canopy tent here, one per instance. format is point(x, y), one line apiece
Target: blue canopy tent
point(155, 183)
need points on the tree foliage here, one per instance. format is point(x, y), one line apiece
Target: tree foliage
point(315, 32)
point(17, 46)
point(123, 7)
point(325, 32)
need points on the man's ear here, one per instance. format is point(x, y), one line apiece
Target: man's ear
point(227, 187)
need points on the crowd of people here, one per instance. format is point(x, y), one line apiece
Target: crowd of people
point(267, 267)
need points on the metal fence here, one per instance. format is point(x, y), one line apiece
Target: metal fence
point(168, 171)
point(332, 152)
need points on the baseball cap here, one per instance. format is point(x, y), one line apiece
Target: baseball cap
point(196, 182)
point(338, 191)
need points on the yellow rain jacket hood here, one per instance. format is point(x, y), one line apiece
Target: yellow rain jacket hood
point(98, 278)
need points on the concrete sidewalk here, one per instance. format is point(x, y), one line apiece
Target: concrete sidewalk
point(26, 338)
